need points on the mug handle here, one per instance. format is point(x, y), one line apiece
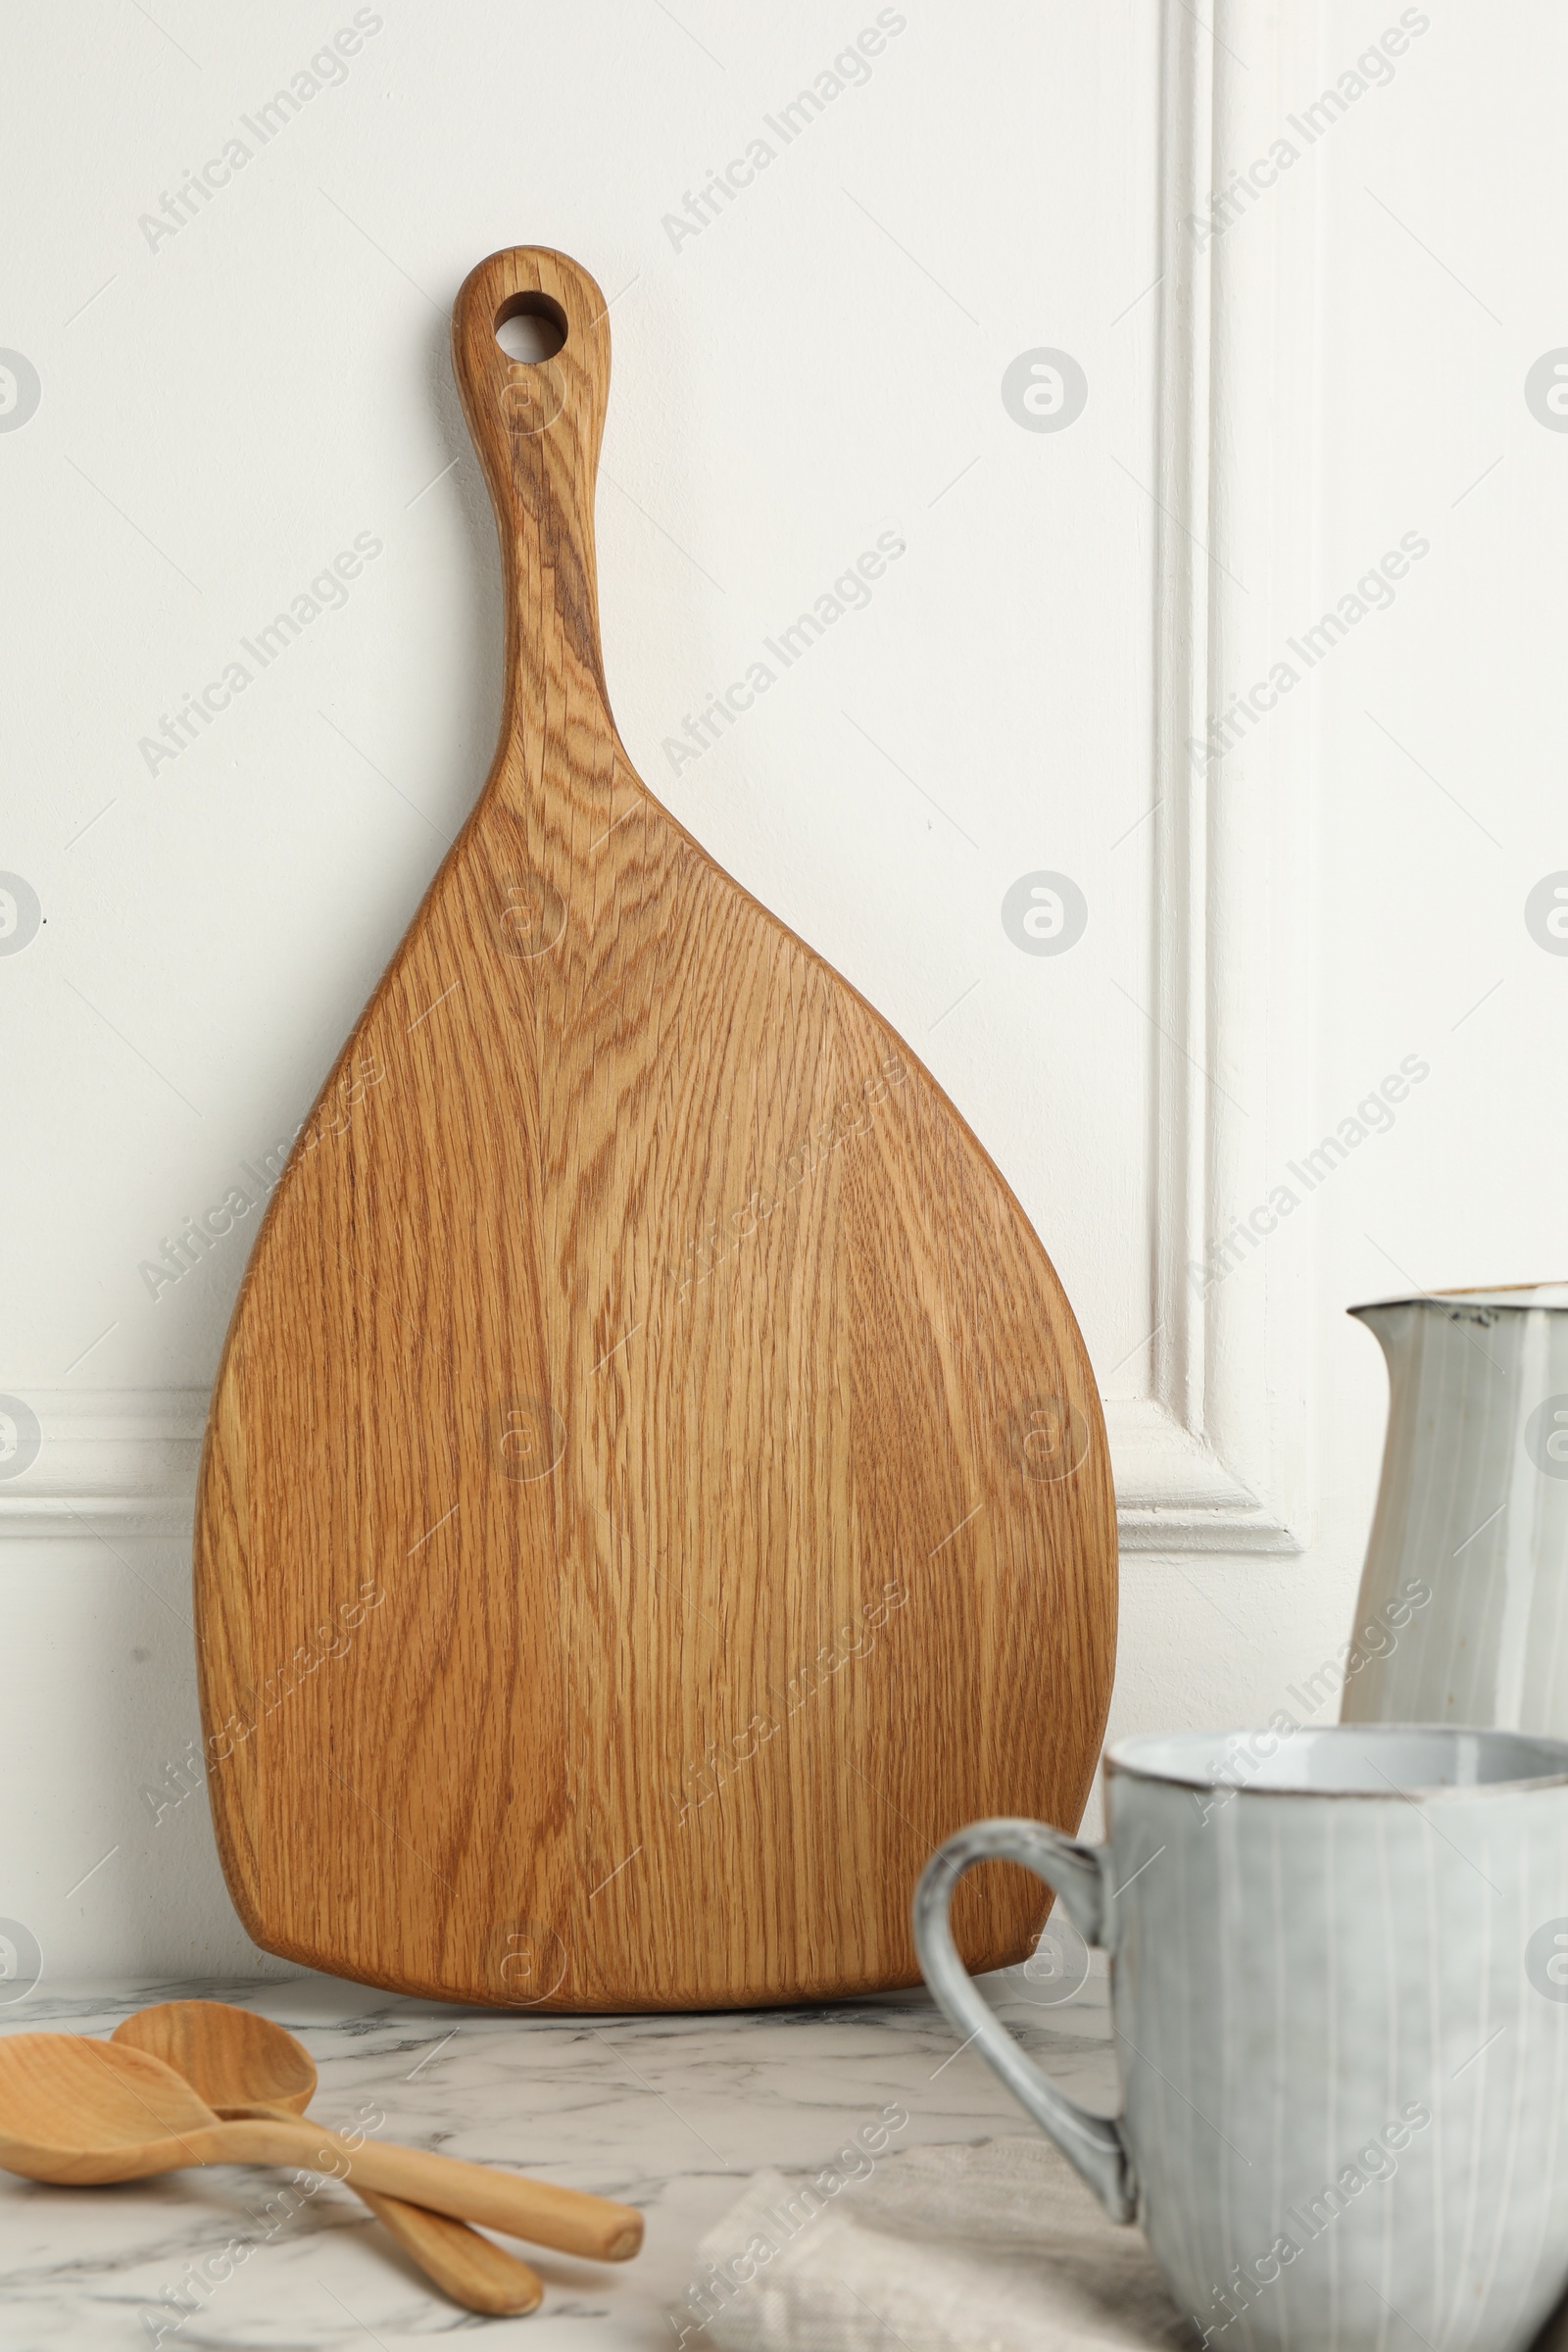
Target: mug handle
point(1095, 2143)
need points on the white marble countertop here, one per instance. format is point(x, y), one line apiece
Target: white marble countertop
point(672, 2114)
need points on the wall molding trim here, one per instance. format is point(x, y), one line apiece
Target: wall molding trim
point(109, 1461)
point(123, 1463)
point(1215, 1458)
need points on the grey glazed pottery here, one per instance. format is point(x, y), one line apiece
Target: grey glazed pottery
point(1339, 1965)
point(1472, 1513)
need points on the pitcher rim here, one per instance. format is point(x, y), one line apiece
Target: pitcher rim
point(1508, 1297)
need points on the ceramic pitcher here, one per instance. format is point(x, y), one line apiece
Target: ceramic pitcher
point(1472, 1515)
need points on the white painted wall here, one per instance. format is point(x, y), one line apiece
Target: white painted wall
point(1400, 278)
point(224, 407)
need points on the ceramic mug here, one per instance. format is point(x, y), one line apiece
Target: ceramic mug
point(1339, 1994)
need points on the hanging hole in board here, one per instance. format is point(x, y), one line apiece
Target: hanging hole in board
point(530, 327)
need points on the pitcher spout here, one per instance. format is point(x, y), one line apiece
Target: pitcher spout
point(1392, 1323)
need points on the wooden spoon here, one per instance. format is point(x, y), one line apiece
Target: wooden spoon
point(80, 2112)
point(245, 2066)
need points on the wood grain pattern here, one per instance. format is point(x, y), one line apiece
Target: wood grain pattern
point(654, 1487)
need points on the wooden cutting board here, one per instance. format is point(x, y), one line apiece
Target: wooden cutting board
point(654, 1487)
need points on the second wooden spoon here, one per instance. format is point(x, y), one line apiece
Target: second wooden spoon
point(244, 2065)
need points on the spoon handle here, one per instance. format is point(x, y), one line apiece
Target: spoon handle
point(466, 2265)
point(568, 2219)
point(462, 2264)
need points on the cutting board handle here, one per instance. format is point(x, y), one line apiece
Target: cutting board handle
point(536, 426)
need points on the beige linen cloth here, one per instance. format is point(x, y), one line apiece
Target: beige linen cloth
point(995, 2249)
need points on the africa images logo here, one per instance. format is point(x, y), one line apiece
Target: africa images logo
point(20, 1961)
point(1045, 914)
point(1546, 1960)
point(21, 914)
point(1546, 1436)
point(1045, 390)
point(1546, 391)
point(20, 390)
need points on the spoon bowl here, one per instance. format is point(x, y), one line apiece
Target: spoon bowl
point(78, 2110)
point(230, 2057)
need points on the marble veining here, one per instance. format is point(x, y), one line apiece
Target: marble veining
point(673, 2114)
